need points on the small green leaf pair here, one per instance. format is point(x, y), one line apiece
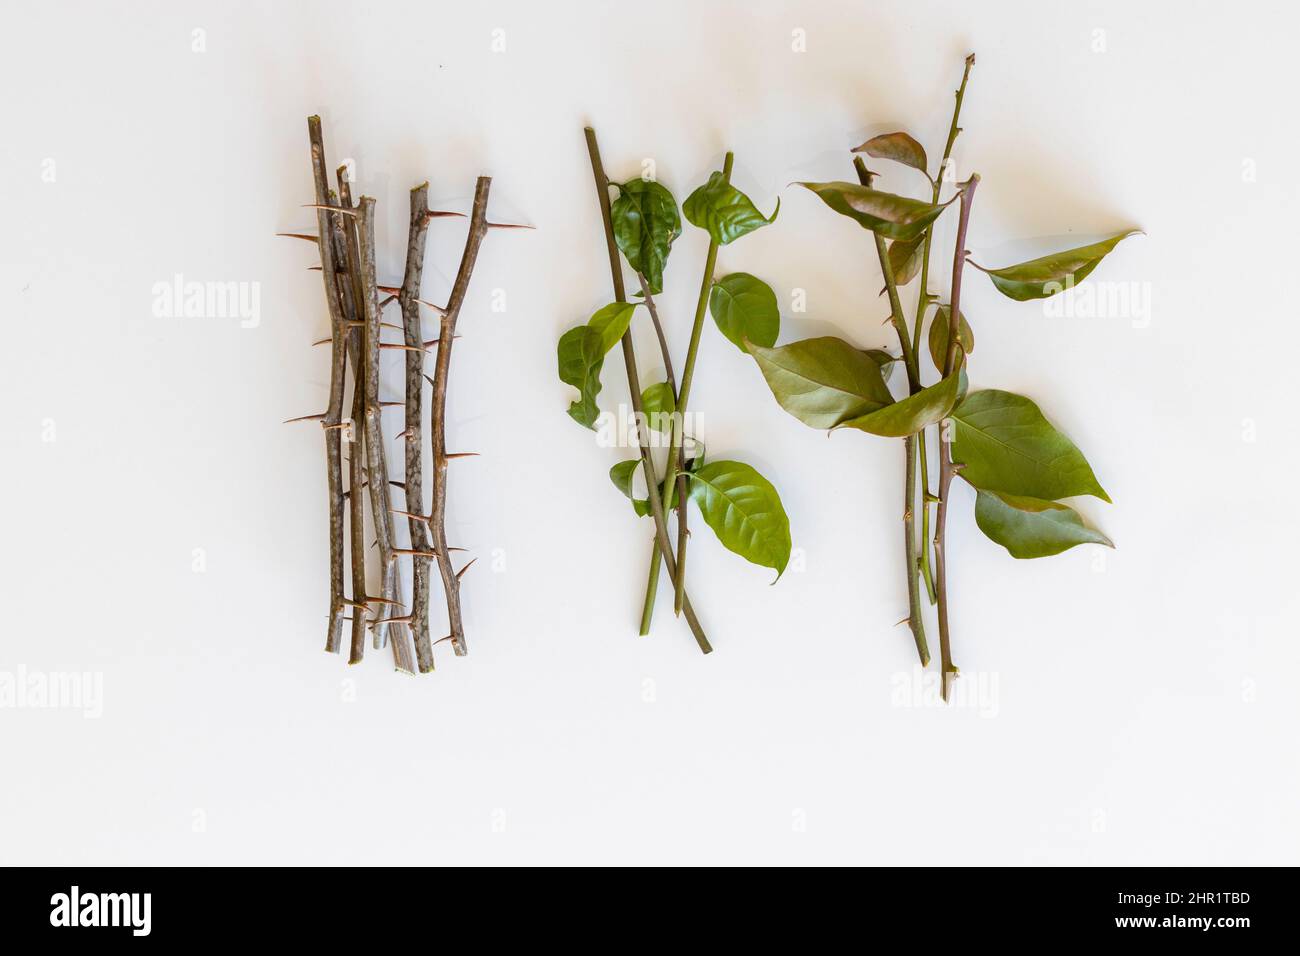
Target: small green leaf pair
point(827, 383)
point(1020, 465)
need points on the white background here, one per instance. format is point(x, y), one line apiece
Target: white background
point(1140, 710)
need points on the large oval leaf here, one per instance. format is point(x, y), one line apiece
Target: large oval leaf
point(913, 413)
point(581, 354)
point(1031, 527)
point(822, 381)
point(1004, 444)
point(745, 308)
point(645, 224)
point(724, 211)
point(939, 338)
point(1048, 275)
point(899, 147)
point(611, 322)
point(744, 511)
point(894, 217)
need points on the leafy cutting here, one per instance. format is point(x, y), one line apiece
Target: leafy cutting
point(998, 442)
point(742, 507)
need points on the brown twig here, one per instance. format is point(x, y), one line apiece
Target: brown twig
point(409, 298)
point(634, 386)
point(338, 359)
point(376, 464)
point(946, 468)
point(350, 285)
point(478, 227)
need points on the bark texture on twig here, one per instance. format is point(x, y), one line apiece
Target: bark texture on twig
point(376, 463)
point(478, 227)
point(413, 436)
point(349, 292)
point(634, 386)
point(334, 412)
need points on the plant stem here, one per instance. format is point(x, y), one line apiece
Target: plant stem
point(652, 583)
point(683, 399)
point(478, 227)
point(376, 464)
point(923, 303)
point(409, 300)
point(634, 387)
point(915, 622)
point(346, 254)
point(946, 468)
point(338, 366)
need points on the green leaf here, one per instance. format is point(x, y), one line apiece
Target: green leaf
point(1046, 276)
point(899, 147)
point(905, 257)
point(659, 403)
point(622, 475)
point(744, 511)
point(894, 217)
point(611, 322)
point(745, 308)
point(581, 355)
point(913, 413)
point(1031, 527)
point(939, 339)
point(822, 381)
point(645, 224)
point(724, 211)
point(1006, 445)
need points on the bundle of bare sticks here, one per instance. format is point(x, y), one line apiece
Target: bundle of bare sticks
point(346, 241)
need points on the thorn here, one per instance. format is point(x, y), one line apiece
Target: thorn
point(343, 210)
point(441, 639)
point(462, 571)
point(306, 418)
point(903, 621)
point(375, 600)
point(391, 404)
point(415, 552)
point(389, 325)
point(508, 225)
point(461, 454)
point(406, 619)
point(429, 380)
point(412, 515)
point(407, 348)
point(322, 342)
point(439, 214)
point(338, 425)
point(384, 302)
point(300, 235)
point(398, 484)
point(402, 433)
